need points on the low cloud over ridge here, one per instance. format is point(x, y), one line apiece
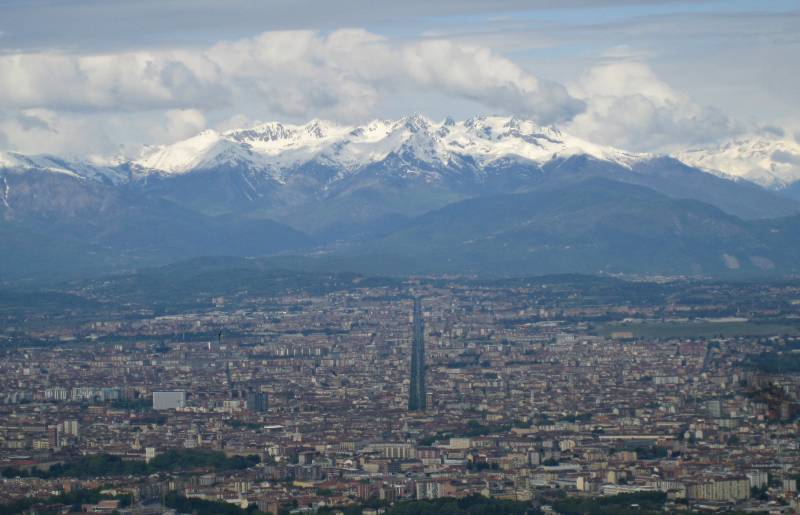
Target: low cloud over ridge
point(297, 73)
point(92, 103)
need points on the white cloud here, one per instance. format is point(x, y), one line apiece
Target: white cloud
point(303, 73)
point(128, 81)
point(628, 106)
point(479, 74)
point(293, 71)
point(51, 133)
point(78, 135)
point(64, 102)
point(183, 123)
point(343, 75)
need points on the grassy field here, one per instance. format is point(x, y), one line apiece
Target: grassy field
point(698, 329)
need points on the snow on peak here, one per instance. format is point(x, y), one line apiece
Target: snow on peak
point(36, 162)
point(415, 123)
point(53, 164)
point(769, 162)
point(185, 155)
point(279, 148)
point(489, 138)
point(265, 132)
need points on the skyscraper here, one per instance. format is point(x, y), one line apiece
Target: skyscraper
point(417, 399)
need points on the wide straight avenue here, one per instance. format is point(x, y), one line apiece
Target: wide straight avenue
point(417, 400)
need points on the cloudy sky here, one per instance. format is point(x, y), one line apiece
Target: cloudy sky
point(82, 77)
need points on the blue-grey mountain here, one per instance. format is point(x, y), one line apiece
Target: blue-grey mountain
point(488, 194)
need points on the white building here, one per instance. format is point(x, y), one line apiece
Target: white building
point(733, 489)
point(169, 400)
point(56, 393)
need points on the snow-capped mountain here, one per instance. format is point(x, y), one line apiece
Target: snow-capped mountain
point(319, 174)
point(278, 151)
point(82, 169)
point(502, 191)
point(772, 163)
point(279, 148)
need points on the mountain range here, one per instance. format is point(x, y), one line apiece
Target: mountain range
point(770, 162)
point(494, 195)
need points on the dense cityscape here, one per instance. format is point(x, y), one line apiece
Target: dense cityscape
point(545, 392)
point(358, 257)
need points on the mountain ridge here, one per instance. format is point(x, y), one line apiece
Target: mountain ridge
point(323, 188)
point(277, 148)
point(595, 226)
point(770, 162)
point(274, 146)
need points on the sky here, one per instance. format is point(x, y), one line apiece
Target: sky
point(102, 77)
